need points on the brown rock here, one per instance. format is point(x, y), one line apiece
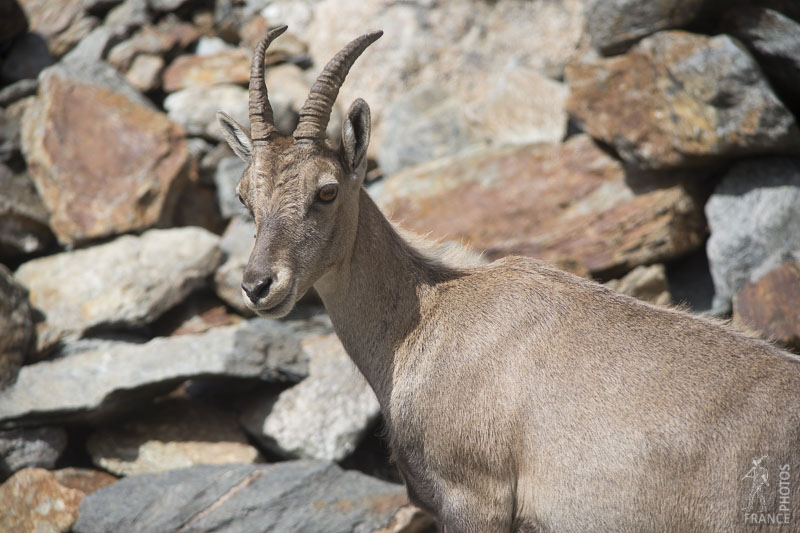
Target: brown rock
point(85, 480)
point(167, 37)
point(648, 283)
point(570, 204)
point(177, 434)
point(199, 313)
point(678, 99)
point(145, 72)
point(62, 24)
point(228, 66)
point(771, 305)
point(103, 162)
point(16, 327)
point(34, 501)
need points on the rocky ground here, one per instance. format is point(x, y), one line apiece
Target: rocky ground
point(653, 146)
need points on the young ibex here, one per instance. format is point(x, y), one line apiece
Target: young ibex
point(517, 397)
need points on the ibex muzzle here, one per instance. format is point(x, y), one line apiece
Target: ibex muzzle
point(517, 397)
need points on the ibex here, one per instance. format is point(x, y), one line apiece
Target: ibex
point(517, 397)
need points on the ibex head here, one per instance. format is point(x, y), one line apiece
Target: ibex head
point(302, 192)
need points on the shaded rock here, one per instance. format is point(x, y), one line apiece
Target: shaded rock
point(175, 434)
point(17, 91)
point(27, 57)
point(166, 38)
point(226, 178)
point(616, 24)
point(30, 447)
point(228, 66)
point(196, 108)
point(84, 479)
point(690, 283)
point(462, 47)
point(127, 282)
point(425, 124)
point(570, 204)
point(62, 24)
point(289, 496)
point(102, 159)
point(99, 378)
point(145, 72)
point(774, 40)
point(237, 243)
point(24, 226)
point(197, 314)
point(648, 283)
point(754, 223)
point(198, 206)
point(770, 304)
point(12, 20)
point(678, 99)
point(337, 405)
point(16, 327)
point(34, 501)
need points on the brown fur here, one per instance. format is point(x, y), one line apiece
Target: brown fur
point(519, 397)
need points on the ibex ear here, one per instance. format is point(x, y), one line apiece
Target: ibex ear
point(237, 136)
point(355, 135)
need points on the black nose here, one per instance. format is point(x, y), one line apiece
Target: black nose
point(257, 290)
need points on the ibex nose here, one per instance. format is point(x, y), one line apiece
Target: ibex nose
point(259, 289)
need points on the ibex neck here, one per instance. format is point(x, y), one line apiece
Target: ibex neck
point(376, 296)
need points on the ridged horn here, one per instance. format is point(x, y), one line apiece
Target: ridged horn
point(262, 123)
point(316, 112)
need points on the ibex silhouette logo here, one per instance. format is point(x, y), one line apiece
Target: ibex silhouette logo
point(760, 477)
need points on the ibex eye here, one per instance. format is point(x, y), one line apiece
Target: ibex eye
point(327, 193)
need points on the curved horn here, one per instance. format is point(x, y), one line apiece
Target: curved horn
point(316, 112)
point(262, 124)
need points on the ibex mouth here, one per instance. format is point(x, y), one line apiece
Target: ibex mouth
point(275, 305)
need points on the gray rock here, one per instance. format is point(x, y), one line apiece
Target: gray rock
point(306, 496)
point(128, 15)
point(12, 20)
point(616, 24)
point(422, 125)
point(166, 5)
point(127, 282)
point(237, 243)
point(774, 39)
point(226, 178)
point(337, 405)
point(30, 447)
point(96, 45)
point(17, 91)
point(16, 327)
point(755, 223)
point(196, 108)
point(99, 378)
point(26, 59)
point(62, 24)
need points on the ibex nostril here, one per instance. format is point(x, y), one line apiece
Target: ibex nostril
point(257, 290)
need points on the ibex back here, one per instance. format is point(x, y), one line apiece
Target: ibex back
point(517, 397)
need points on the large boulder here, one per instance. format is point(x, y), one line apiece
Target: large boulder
point(324, 416)
point(477, 53)
point(615, 24)
point(754, 220)
point(103, 159)
point(678, 99)
point(571, 204)
point(288, 496)
point(16, 327)
point(98, 378)
point(177, 433)
point(127, 282)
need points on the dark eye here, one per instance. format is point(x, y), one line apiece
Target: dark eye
point(327, 193)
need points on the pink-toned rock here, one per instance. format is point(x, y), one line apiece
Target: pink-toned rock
point(145, 72)
point(167, 37)
point(34, 501)
point(771, 305)
point(103, 161)
point(678, 99)
point(227, 66)
point(571, 204)
point(85, 480)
